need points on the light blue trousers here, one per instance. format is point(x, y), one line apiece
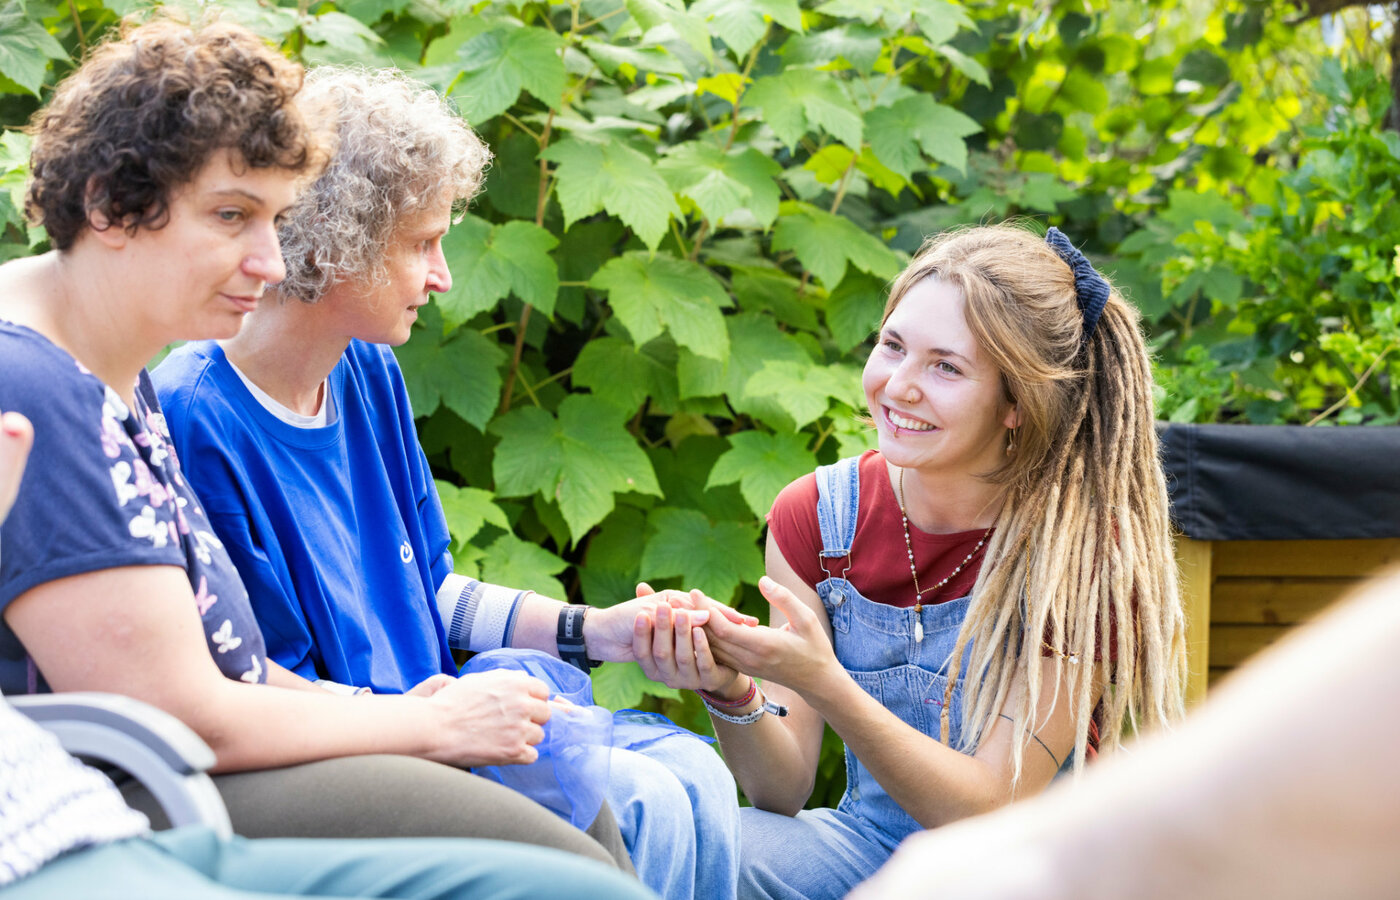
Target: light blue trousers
point(677, 807)
point(819, 854)
point(194, 864)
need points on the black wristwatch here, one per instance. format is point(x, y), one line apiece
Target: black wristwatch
point(570, 637)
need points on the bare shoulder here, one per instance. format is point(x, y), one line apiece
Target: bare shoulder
point(26, 286)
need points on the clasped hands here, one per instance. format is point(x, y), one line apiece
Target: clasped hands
point(688, 640)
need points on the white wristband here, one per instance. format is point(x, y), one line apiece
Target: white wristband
point(476, 615)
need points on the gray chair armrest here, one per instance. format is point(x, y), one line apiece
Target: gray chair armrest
point(157, 749)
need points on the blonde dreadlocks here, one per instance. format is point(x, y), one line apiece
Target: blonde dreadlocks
point(1081, 560)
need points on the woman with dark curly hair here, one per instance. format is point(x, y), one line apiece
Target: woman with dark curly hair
point(161, 170)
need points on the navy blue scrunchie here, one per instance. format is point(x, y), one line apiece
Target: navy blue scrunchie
point(1089, 286)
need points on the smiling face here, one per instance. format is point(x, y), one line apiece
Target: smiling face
point(205, 268)
point(937, 401)
point(382, 311)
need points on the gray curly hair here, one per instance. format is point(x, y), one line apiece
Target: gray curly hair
point(399, 147)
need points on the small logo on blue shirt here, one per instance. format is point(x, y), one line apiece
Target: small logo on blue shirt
point(406, 553)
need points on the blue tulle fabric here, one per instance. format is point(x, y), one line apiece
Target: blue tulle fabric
point(571, 775)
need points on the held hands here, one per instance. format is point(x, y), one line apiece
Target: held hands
point(490, 718)
point(658, 631)
point(797, 654)
point(670, 644)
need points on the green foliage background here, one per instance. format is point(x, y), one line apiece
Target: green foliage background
point(663, 297)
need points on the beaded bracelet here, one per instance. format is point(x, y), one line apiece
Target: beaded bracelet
point(712, 700)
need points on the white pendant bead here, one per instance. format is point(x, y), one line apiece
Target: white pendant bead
point(919, 630)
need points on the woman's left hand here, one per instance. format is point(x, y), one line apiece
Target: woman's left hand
point(797, 652)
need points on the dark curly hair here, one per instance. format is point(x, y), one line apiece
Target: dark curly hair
point(144, 113)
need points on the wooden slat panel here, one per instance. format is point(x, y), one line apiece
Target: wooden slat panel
point(1321, 559)
point(1194, 557)
point(1231, 645)
point(1274, 601)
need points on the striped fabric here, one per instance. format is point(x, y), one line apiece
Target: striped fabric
point(49, 802)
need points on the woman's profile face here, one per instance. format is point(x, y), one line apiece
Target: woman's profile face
point(937, 401)
point(206, 268)
point(383, 312)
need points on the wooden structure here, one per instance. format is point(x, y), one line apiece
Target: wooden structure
point(1241, 596)
point(1276, 523)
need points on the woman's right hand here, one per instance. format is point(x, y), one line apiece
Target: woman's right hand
point(490, 719)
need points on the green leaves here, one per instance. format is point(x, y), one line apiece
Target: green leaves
point(497, 65)
point(655, 293)
point(762, 464)
point(805, 391)
point(460, 371)
point(25, 48)
point(826, 243)
point(467, 510)
point(799, 101)
point(581, 459)
point(494, 261)
point(898, 133)
point(722, 183)
point(714, 557)
point(742, 23)
point(616, 178)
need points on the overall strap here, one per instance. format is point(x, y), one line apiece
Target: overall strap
point(838, 504)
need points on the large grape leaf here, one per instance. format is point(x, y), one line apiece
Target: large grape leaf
point(520, 564)
point(623, 685)
point(655, 293)
point(580, 459)
point(687, 26)
point(803, 389)
point(797, 101)
point(492, 261)
point(741, 23)
point(25, 48)
point(499, 64)
point(761, 288)
point(753, 339)
point(940, 20)
point(897, 133)
point(714, 557)
point(610, 573)
point(721, 183)
point(854, 309)
point(467, 509)
point(612, 177)
point(626, 376)
point(342, 33)
point(679, 469)
point(461, 372)
point(825, 243)
point(763, 464)
point(856, 45)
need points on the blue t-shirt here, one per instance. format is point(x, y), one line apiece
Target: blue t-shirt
point(104, 490)
point(337, 530)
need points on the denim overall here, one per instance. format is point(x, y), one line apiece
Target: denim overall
point(825, 853)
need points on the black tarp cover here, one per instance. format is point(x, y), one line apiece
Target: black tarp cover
point(1283, 482)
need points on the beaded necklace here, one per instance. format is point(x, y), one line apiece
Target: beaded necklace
point(914, 571)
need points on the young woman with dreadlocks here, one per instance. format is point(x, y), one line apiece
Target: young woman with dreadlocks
point(974, 606)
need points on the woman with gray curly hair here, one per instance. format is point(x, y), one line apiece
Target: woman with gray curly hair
point(299, 437)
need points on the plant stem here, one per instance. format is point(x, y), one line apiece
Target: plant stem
point(1351, 391)
point(509, 390)
point(77, 26)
